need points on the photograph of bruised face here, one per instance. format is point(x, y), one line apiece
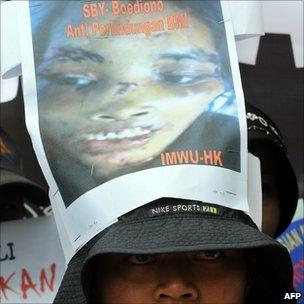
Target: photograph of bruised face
point(110, 104)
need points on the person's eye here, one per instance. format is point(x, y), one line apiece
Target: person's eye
point(77, 80)
point(141, 259)
point(183, 78)
point(208, 255)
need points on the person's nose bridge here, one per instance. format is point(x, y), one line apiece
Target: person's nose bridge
point(123, 87)
point(122, 108)
point(176, 284)
point(176, 291)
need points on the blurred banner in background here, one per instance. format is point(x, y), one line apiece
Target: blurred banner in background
point(293, 238)
point(31, 260)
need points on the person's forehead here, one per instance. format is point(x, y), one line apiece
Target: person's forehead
point(77, 53)
point(202, 33)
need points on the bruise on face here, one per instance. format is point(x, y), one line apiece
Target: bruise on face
point(124, 100)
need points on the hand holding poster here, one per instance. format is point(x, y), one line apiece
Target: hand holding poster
point(130, 101)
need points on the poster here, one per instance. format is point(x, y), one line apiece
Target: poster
point(243, 27)
point(31, 261)
point(130, 101)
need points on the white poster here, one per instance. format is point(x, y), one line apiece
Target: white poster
point(130, 101)
point(31, 261)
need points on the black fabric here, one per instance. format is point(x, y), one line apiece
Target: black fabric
point(137, 233)
point(70, 291)
point(261, 129)
point(181, 207)
point(270, 283)
point(12, 176)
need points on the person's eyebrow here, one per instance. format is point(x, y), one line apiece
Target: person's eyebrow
point(195, 54)
point(75, 54)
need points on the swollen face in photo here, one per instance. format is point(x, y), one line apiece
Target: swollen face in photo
point(117, 102)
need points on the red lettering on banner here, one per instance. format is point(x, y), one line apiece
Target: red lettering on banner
point(46, 284)
point(44, 280)
point(4, 285)
point(208, 157)
point(27, 284)
point(298, 273)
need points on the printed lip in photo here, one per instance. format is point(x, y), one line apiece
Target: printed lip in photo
point(117, 140)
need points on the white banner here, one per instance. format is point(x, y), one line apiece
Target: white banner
point(31, 261)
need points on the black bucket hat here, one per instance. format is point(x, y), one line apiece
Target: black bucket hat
point(14, 180)
point(261, 129)
point(175, 225)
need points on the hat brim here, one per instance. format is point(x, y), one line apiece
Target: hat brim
point(34, 192)
point(167, 234)
point(178, 234)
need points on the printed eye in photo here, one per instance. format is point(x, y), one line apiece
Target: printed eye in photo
point(79, 81)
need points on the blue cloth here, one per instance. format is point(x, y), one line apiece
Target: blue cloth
point(293, 238)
